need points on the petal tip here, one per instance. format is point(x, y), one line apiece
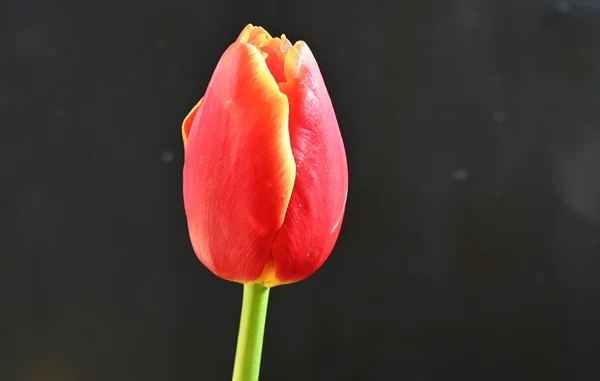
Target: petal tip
point(245, 33)
point(250, 33)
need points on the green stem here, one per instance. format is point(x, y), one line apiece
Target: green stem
point(252, 330)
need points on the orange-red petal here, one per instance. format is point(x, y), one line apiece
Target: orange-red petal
point(187, 123)
point(276, 50)
point(272, 49)
point(239, 169)
point(315, 212)
point(251, 33)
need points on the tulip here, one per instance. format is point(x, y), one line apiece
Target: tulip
point(265, 177)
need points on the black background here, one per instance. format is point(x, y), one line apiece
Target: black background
point(471, 245)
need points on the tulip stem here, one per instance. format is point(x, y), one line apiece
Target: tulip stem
point(252, 329)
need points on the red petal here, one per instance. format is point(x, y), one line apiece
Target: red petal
point(251, 33)
point(187, 123)
point(239, 168)
point(276, 50)
point(314, 215)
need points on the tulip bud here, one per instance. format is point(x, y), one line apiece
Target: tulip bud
point(265, 178)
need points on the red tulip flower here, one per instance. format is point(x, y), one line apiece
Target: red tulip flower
point(265, 177)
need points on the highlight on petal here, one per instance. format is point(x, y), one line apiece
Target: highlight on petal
point(187, 123)
point(315, 212)
point(239, 168)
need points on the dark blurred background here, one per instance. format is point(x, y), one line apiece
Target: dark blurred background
point(471, 245)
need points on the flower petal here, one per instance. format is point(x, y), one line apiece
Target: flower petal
point(314, 215)
point(187, 123)
point(276, 50)
point(251, 33)
point(273, 49)
point(239, 169)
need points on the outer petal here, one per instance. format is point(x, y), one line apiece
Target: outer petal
point(187, 123)
point(239, 169)
point(318, 201)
